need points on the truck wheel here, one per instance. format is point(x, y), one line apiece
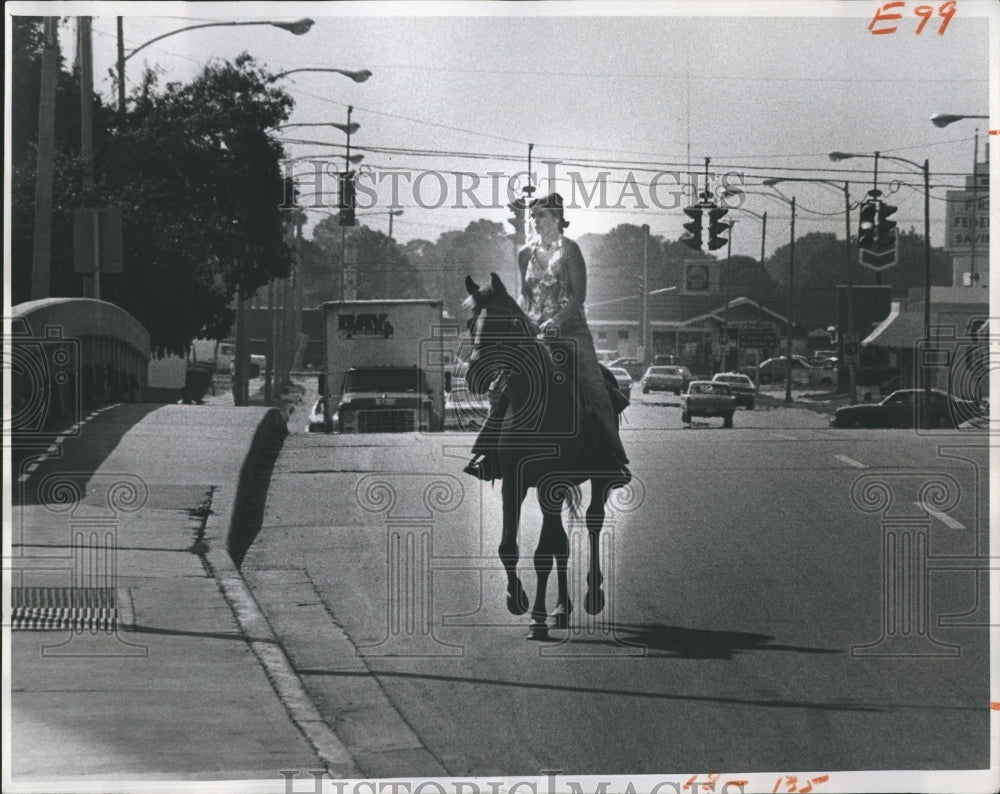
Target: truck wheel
point(686, 418)
point(727, 420)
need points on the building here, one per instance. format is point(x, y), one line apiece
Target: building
point(953, 356)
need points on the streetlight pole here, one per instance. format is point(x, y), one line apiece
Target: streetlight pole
point(926, 170)
point(788, 320)
point(296, 28)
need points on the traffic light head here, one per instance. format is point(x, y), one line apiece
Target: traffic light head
point(517, 207)
point(716, 226)
point(347, 197)
point(866, 225)
point(693, 228)
point(885, 231)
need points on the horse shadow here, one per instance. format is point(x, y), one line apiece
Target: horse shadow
point(687, 643)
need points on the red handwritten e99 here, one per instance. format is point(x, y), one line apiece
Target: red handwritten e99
point(888, 13)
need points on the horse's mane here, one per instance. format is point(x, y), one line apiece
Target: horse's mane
point(496, 294)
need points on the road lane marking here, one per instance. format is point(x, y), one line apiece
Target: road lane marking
point(58, 440)
point(944, 518)
point(850, 461)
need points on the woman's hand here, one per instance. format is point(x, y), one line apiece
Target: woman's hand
point(548, 329)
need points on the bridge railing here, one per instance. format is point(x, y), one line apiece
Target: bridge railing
point(68, 356)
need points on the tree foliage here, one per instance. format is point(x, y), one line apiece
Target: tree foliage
point(195, 170)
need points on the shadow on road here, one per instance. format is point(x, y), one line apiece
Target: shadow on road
point(661, 640)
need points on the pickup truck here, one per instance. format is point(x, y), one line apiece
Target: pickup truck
point(708, 398)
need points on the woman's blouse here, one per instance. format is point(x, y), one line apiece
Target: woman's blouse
point(554, 285)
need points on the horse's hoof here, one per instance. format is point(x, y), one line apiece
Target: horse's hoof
point(561, 614)
point(517, 602)
point(537, 630)
point(593, 602)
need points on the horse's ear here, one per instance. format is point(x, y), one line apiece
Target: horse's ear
point(497, 284)
point(471, 285)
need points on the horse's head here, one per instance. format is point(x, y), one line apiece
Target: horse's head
point(497, 327)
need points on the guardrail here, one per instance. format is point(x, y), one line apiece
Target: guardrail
point(69, 356)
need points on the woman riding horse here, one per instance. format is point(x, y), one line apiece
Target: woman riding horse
point(553, 291)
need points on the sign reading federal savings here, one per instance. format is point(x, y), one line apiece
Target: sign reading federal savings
point(968, 216)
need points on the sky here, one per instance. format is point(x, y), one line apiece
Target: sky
point(641, 92)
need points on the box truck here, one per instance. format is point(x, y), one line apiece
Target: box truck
point(384, 369)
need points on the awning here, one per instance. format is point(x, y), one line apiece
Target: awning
point(902, 328)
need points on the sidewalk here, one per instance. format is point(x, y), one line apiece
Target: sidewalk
point(189, 683)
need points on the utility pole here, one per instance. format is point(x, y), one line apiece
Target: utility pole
point(84, 42)
point(41, 255)
point(645, 295)
point(788, 320)
point(121, 70)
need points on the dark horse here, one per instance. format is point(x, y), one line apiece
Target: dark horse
point(543, 442)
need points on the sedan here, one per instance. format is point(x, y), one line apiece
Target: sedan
point(623, 379)
point(741, 386)
point(675, 379)
point(463, 411)
point(634, 366)
point(773, 371)
point(908, 408)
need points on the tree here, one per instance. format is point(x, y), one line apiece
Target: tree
point(820, 267)
point(195, 170)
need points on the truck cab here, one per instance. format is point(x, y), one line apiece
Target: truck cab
point(385, 400)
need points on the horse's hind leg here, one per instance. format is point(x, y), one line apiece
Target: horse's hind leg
point(513, 496)
point(600, 489)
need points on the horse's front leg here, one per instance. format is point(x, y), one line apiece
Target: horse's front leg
point(548, 544)
point(600, 489)
point(513, 493)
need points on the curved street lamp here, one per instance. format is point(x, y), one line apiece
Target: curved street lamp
point(846, 189)
point(297, 28)
point(944, 119)
point(358, 77)
point(925, 168)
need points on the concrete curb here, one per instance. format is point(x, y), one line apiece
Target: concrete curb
point(224, 526)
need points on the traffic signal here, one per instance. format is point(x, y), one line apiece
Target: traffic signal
point(517, 221)
point(717, 227)
point(347, 196)
point(866, 225)
point(885, 233)
point(693, 238)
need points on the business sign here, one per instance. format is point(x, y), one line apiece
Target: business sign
point(967, 216)
point(761, 336)
point(880, 259)
point(699, 278)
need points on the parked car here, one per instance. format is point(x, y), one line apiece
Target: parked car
point(742, 387)
point(909, 408)
point(634, 366)
point(624, 380)
point(803, 373)
point(709, 398)
point(675, 379)
point(668, 359)
point(463, 410)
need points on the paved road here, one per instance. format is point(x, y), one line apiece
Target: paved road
point(746, 625)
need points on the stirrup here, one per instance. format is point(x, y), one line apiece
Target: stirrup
point(481, 467)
